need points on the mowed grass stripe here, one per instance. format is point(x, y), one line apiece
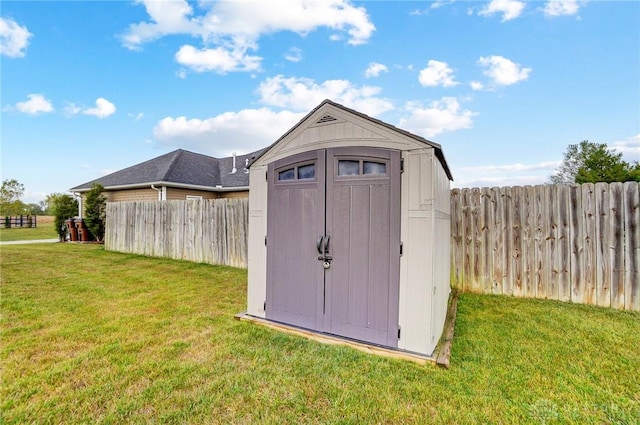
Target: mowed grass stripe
point(90, 336)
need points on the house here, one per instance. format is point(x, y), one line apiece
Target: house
point(349, 221)
point(176, 175)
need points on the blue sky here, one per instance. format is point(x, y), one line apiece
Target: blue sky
point(88, 88)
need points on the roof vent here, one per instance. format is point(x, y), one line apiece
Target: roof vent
point(326, 118)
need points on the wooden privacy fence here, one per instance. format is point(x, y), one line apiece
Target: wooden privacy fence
point(206, 231)
point(578, 243)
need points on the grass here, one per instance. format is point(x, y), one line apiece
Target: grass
point(44, 230)
point(90, 336)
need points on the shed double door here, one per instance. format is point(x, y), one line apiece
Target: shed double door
point(333, 242)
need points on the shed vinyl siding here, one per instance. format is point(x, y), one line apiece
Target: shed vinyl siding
point(424, 267)
point(257, 251)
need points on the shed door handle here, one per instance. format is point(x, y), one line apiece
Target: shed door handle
point(326, 244)
point(319, 244)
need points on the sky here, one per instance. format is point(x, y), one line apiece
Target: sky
point(504, 86)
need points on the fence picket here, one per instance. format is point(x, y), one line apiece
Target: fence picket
point(632, 245)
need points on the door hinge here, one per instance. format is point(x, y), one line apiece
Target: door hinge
point(399, 332)
point(402, 165)
point(265, 241)
point(266, 176)
point(264, 307)
point(401, 248)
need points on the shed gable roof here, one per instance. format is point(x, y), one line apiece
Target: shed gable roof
point(361, 127)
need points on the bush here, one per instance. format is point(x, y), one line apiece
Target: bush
point(64, 207)
point(95, 211)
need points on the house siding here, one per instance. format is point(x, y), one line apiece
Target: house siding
point(234, 195)
point(176, 194)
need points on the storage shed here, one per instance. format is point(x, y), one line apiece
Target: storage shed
point(349, 231)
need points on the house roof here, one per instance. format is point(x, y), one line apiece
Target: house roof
point(437, 148)
point(179, 168)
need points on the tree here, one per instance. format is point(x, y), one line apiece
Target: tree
point(95, 206)
point(34, 209)
point(52, 201)
point(589, 162)
point(63, 207)
point(10, 194)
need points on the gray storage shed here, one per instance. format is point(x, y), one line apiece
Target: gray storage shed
point(349, 231)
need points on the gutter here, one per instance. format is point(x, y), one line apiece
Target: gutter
point(162, 192)
point(169, 184)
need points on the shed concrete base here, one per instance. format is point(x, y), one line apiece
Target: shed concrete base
point(334, 340)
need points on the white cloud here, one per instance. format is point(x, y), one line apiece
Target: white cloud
point(441, 115)
point(243, 132)
point(375, 69)
point(437, 4)
point(167, 17)
point(505, 175)
point(293, 55)
point(476, 85)
point(219, 59)
point(303, 94)
point(630, 148)
point(503, 71)
point(72, 109)
point(561, 7)
point(103, 108)
point(510, 9)
point(228, 29)
point(436, 74)
point(14, 38)
point(36, 104)
point(136, 117)
point(547, 165)
point(498, 181)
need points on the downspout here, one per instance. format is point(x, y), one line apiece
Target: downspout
point(162, 192)
point(79, 196)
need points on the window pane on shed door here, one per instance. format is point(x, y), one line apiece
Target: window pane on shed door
point(374, 167)
point(348, 168)
point(307, 171)
point(287, 174)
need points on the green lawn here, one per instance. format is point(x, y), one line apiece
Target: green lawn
point(44, 230)
point(90, 336)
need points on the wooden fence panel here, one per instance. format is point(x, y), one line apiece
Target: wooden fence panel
point(208, 231)
point(590, 238)
point(562, 261)
point(616, 249)
point(507, 229)
point(632, 245)
point(516, 241)
point(576, 231)
point(602, 244)
point(457, 236)
point(578, 243)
